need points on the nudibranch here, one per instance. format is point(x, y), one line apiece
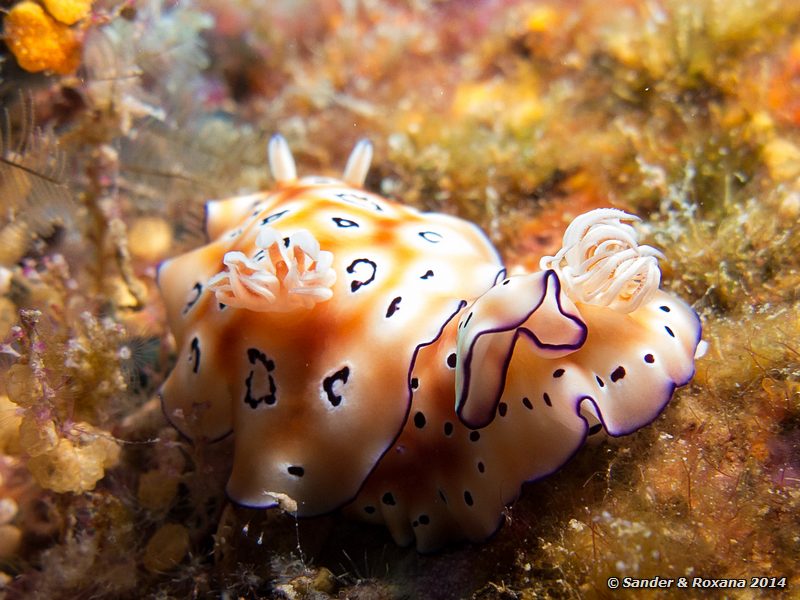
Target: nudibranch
point(377, 359)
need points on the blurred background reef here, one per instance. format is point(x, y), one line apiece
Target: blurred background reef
point(119, 118)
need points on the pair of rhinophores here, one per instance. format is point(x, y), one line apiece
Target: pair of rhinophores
point(374, 358)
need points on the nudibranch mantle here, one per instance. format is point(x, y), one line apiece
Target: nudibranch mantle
point(371, 357)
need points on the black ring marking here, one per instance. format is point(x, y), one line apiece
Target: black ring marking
point(358, 200)
point(558, 373)
point(526, 401)
point(502, 409)
point(344, 223)
point(547, 399)
point(274, 217)
point(431, 236)
point(649, 358)
point(254, 355)
point(356, 284)
point(452, 360)
point(198, 287)
point(448, 429)
point(296, 471)
point(468, 498)
point(393, 307)
point(618, 374)
point(194, 350)
point(388, 499)
point(341, 375)
point(474, 436)
point(419, 420)
point(664, 308)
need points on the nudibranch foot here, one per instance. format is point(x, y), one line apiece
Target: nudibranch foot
point(369, 356)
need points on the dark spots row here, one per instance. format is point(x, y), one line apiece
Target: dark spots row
point(526, 402)
point(421, 520)
point(260, 386)
point(388, 499)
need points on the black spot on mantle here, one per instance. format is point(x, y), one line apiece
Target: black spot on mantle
point(618, 374)
point(194, 350)
point(257, 358)
point(327, 385)
point(198, 289)
point(356, 284)
point(344, 223)
point(394, 306)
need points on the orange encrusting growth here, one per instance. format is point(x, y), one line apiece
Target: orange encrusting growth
point(39, 42)
point(68, 12)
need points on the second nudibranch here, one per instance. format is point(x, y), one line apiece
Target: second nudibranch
point(371, 357)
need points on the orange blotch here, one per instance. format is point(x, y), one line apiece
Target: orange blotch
point(783, 94)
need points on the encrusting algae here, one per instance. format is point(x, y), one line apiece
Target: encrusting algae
point(516, 115)
point(41, 38)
